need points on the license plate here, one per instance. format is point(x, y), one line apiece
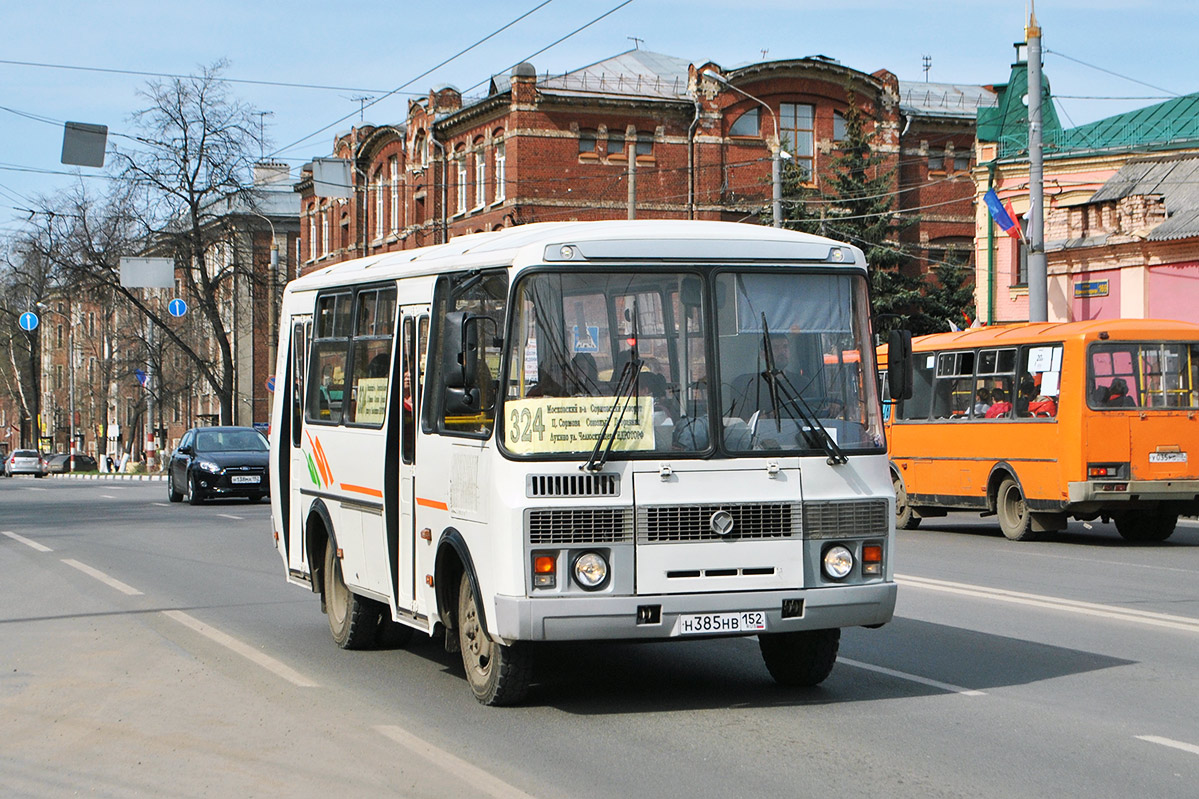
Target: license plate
point(244, 478)
point(1167, 457)
point(717, 623)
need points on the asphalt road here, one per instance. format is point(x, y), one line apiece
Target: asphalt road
point(151, 649)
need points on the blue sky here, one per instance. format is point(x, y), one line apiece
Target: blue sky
point(371, 47)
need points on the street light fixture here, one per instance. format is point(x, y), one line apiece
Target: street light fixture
point(777, 152)
point(70, 383)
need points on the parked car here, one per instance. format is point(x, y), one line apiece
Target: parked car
point(219, 462)
point(25, 461)
point(59, 462)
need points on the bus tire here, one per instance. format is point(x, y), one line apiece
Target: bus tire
point(498, 674)
point(353, 620)
point(1014, 516)
point(1145, 527)
point(800, 659)
point(905, 518)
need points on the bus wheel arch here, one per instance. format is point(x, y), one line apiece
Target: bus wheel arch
point(1005, 496)
point(905, 517)
point(318, 531)
point(453, 561)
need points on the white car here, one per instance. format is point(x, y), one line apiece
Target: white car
point(25, 461)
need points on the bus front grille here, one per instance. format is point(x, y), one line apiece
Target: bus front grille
point(665, 524)
point(580, 526)
point(846, 518)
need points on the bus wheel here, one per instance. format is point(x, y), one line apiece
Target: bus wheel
point(354, 621)
point(801, 658)
point(1013, 513)
point(1145, 527)
point(905, 519)
point(498, 674)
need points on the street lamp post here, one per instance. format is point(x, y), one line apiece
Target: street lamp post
point(777, 154)
point(70, 384)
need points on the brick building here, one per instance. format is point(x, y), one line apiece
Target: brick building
point(642, 135)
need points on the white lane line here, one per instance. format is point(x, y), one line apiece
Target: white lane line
point(487, 784)
point(944, 686)
point(1186, 623)
point(243, 649)
point(161, 504)
point(231, 516)
point(27, 542)
point(31, 488)
point(107, 496)
point(1156, 739)
point(102, 577)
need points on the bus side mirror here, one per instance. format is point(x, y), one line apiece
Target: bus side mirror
point(460, 364)
point(899, 364)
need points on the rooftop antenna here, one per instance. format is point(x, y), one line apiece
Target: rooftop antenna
point(261, 128)
point(636, 42)
point(764, 52)
point(362, 100)
point(928, 64)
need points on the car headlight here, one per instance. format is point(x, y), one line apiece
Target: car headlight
point(208, 466)
point(591, 571)
point(838, 562)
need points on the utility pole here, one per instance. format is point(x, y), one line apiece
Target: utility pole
point(1038, 273)
point(633, 177)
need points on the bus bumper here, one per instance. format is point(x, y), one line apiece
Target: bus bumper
point(1102, 492)
point(578, 618)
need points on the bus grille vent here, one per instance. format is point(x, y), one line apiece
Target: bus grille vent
point(663, 524)
point(580, 526)
point(842, 519)
point(572, 485)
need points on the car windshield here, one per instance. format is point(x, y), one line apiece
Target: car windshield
point(230, 441)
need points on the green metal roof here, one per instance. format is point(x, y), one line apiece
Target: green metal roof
point(1166, 125)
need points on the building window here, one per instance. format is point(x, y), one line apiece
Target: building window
point(1021, 264)
point(379, 204)
point(645, 145)
point(461, 171)
point(58, 336)
point(312, 236)
point(839, 131)
point(797, 131)
point(746, 124)
point(393, 165)
point(936, 161)
point(587, 142)
point(615, 147)
point(480, 178)
point(500, 171)
point(961, 162)
point(324, 232)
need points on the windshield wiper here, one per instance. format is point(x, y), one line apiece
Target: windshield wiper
point(778, 383)
point(626, 392)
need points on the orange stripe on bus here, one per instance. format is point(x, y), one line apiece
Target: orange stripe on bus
point(432, 503)
point(372, 492)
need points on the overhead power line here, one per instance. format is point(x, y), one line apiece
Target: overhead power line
point(1110, 72)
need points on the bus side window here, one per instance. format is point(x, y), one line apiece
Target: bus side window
point(330, 354)
point(922, 388)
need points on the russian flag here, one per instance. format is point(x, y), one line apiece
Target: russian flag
point(1003, 214)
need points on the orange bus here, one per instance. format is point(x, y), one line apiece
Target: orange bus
point(1038, 423)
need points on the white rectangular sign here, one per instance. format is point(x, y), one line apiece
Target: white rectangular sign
point(148, 273)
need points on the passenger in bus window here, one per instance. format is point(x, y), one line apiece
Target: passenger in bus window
point(1028, 392)
point(1000, 407)
point(1117, 395)
point(982, 402)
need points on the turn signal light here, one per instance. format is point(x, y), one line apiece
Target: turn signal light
point(872, 559)
point(545, 571)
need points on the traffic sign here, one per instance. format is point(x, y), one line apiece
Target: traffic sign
point(29, 321)
point(177, 307)
point(270, 384)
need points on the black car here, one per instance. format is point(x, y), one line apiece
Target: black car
point(219, 462)
point(59, 463)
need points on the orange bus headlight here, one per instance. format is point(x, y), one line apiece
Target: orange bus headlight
point(872, 559)
point(545, 571)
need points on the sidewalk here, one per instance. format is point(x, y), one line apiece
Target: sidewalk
point(146, 478)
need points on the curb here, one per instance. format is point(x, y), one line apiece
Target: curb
point(141, 478)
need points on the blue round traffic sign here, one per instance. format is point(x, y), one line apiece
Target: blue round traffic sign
point(29, 321)
point(177, 307)
point(270, 384)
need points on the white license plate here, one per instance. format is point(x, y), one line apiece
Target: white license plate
point(1167, 457)
point(717, 623)
point(244, 478)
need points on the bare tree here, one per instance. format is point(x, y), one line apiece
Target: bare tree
point(26, 276)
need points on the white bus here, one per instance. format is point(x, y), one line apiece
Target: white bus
point(582, 431)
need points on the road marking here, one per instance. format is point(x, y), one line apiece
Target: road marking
point(487, 784)
point(231, 516)
point(1185, 623)
point(27, 542)
point(944, 686)
point(102, 577)
point(107, 496)
point(1155, 739)
point(31, 488)
point(243, 649)
point(161, 504)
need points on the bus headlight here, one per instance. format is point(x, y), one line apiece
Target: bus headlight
point(838, 562)
point(591, 571)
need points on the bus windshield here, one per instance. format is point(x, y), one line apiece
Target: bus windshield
point(1143, 374)
point(619, 363)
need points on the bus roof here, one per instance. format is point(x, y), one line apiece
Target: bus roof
point(593, 242)
point(1034, 332)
